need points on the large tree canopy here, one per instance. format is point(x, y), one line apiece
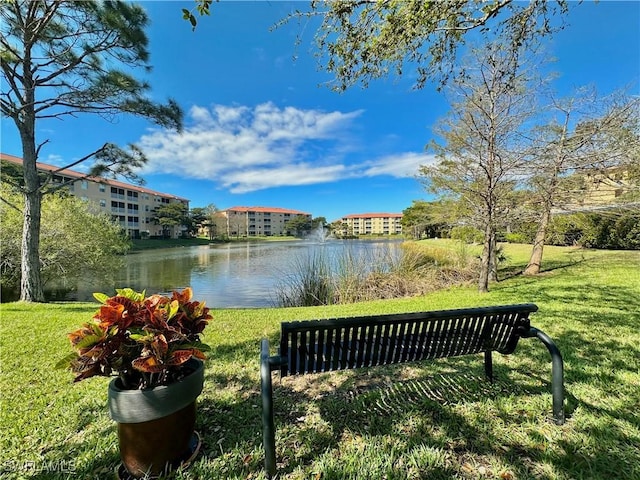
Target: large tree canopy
point(482, 150)
point(62, 59)
point(359, 41)
point(362, 40)
point(171, 215)
point(585, 135)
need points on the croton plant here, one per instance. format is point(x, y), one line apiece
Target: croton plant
point(146, 341)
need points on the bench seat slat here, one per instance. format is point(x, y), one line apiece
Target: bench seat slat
point(368, 353)
point(344, 350)
point(406, 342)
point(423, 353)
point(326, 361)
point(504, 333)
point(410, 341)
point(318, 367)
point(353, 347)
point(467, 327)
point(392, 337)
point(437, 341)
point(310, 365)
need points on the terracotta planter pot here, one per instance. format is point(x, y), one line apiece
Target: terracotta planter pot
point(156, 426)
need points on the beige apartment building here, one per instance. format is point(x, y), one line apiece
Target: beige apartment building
point(372, 224)
point(129, 205)
point(257, 221)
point(603, 189)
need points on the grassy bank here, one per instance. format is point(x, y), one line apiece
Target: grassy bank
point(150, 244)
point(436, 420)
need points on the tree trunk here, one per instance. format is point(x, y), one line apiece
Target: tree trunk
point(31, 281)
point(535, 261)
point(485, 260)
point(493, 259)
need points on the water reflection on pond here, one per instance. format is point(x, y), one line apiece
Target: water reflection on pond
point(227, 275)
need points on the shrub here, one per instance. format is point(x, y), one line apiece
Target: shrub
point(75, 240)
point(596, 231)
point(310, 284)
point(372, 274)
point(467, 234)
point(516, 238)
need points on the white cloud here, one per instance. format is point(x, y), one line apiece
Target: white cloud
point(53, 159)
point(400, 165)
point(245, 149)
point(285, 175)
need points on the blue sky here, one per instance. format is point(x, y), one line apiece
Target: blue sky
point(261, 130)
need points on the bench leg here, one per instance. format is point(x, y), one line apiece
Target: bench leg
point(488, 365)
point(268, 429)
point(557, 374)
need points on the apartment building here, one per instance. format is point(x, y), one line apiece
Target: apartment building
point(257, 221)
point(605, 188)
point(130, 205)
point(372, 224)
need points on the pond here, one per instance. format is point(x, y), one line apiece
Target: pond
point(233, 275)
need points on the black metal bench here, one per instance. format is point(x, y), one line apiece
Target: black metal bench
point(344, 343)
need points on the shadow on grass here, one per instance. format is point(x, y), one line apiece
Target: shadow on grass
point(375, 404)
point(433, 403)
point(549, 266)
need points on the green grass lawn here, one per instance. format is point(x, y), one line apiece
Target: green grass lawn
point(435, 420)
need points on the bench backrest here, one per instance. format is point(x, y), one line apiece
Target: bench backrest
point(343, 343)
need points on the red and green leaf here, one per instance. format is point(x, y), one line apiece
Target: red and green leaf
point(148, 364)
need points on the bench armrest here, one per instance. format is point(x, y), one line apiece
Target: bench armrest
point(557, 372)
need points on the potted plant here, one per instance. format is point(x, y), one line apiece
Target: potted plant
point(152, 346)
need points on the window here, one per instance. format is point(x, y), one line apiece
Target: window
point(117, 193)
point(84, 184)
point(103, 203)
point(102, 187)
point(117, 207)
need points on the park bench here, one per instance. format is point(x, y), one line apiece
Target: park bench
point(316, 346)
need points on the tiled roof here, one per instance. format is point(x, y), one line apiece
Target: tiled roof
point(73, 174)
point(266, 210)
point(374, 215)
